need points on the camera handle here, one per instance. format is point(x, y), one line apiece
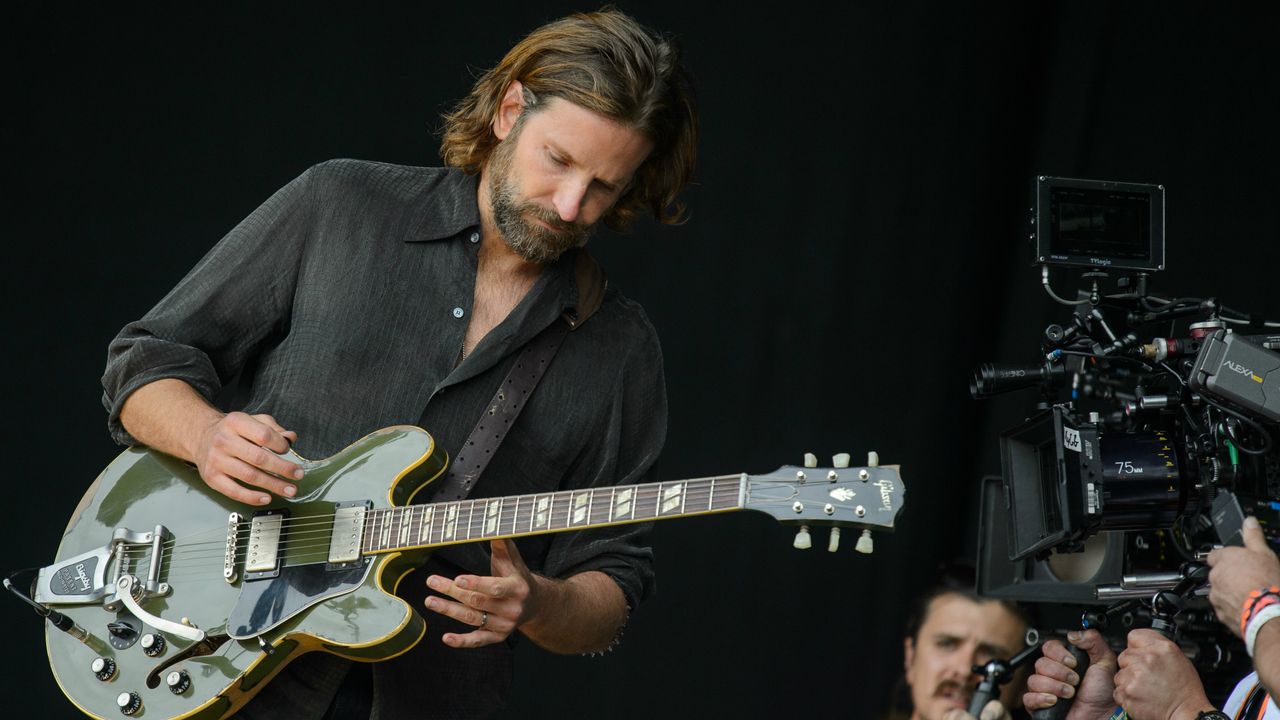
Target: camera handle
point(1165, 606)
point(996, 673)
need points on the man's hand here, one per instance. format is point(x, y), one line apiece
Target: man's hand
point(496, 605)
point(993, 710)
point(1156, 681)
point(236, 448)
point(1237, 571)
point(1055, 677)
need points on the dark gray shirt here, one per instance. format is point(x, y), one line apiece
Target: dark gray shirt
point(339, 307)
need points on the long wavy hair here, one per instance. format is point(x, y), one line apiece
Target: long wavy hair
point(608, 63)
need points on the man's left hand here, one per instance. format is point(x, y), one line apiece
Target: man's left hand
point(1156, 681)
point(496, 605)
point(1238, 571)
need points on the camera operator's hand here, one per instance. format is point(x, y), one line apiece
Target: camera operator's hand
point(1156, 681)
point(993, 710)
point(1055, 677)
point(1237, 571)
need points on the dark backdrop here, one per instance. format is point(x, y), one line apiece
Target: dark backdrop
point(854, 249)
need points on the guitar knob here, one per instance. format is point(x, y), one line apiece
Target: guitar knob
point(841, 460)
point(129, 703)
point(865, 545)
point(152, 644)
point(178, 681)
point(103, 668)
point(873, 459)
point(833, 543)
point(803, 541)
point(810, 460)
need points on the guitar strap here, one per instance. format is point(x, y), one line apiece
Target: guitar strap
point(501, 412)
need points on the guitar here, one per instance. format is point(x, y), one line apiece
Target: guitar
point(186, 603)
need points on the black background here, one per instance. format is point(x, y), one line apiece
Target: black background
point(856, 245)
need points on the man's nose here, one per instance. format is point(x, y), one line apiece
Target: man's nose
point(569, 198)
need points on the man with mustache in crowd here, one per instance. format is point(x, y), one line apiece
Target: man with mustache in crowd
point(364, 295)
point(951, 630)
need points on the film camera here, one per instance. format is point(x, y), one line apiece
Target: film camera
point(1157, 428)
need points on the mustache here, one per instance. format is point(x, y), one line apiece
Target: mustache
point(948, 686)
point(553, 219)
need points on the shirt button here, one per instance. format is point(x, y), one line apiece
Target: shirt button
point(457, 312)
point(475, 237)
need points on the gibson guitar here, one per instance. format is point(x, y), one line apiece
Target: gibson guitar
point(178, 602)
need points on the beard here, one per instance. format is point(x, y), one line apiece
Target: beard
point(516, 219)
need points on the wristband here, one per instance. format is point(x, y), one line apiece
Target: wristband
point(1257, 600)
point(1259, 619)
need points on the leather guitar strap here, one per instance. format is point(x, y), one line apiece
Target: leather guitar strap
point(501, 412)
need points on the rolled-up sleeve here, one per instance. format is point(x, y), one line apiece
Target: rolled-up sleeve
point(625, 452)
point(205, 329)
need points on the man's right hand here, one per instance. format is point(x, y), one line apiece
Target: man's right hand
point(240, 448)
point(1056, 677)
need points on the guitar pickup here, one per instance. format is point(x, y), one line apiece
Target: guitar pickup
point(348, 532)
point(262, 554)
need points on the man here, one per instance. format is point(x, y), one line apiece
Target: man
point(363, 295)
point(1152, 679)
point(952, 630)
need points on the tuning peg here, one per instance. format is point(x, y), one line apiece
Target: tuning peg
point(864, 545)
point(810, 460)
point(873, 459)
point(803, 541)
point(841, 460)
point(834, 543)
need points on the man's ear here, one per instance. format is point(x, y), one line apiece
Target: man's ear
point(509, 110)
point(908, 654)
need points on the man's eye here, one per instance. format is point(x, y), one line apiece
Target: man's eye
point(946, 642)
point(557, 159)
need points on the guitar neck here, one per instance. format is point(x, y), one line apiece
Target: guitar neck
point(417, 526)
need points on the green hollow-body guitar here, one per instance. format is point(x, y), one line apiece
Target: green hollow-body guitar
point(186, 603)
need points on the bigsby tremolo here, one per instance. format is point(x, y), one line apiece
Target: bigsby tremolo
point(83, 579)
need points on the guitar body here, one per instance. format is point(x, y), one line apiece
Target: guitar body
point(309, 604)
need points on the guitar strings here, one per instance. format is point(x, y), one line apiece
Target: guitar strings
point(320, 526)
point(304, 534)
point(474, 528)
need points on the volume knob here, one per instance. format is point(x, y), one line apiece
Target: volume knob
point(178, 681)
point(103, 668)
point(129, 703)
point(152, 644)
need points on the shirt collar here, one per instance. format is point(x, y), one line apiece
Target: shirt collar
point(448, 206)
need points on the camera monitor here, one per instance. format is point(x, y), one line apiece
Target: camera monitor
point(1101, 224)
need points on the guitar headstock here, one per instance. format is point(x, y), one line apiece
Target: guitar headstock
point(839, 496)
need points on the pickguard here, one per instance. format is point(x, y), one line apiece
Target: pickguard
point(264, 604)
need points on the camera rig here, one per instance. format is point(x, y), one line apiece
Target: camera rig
point(1157, 427)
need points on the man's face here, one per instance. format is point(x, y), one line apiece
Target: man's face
point(557, 172)
point(957, 634)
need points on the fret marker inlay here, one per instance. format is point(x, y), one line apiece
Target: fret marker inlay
point(540, 517)
point(580, 506)
point(622, 504)
point(491, 517)
point(671, 497)
point(450, 521)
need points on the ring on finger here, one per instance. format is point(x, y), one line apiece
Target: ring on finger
point(484, 619)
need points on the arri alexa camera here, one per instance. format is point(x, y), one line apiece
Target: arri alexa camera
point(1157, 429)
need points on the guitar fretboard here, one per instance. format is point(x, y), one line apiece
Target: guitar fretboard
point(399, 528)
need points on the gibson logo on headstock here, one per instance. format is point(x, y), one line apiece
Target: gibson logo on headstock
point(886, 493)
